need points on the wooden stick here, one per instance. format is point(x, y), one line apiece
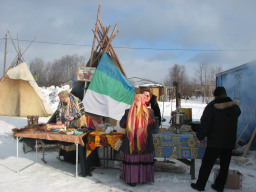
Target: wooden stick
point(110, 39)
point(250, 143)
point(12, 64)
point(17, 50)
point(120, 65)
point(114, 53)
point(95, 34)
point(107, 47)
point(104, 37)
point(242, 133)
point(102, 26)
point(96, 28)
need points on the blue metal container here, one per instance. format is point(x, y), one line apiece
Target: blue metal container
point(240, 83)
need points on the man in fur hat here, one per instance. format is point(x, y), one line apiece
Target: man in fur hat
point(219, 125)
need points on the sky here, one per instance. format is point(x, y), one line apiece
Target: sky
point(153, 37)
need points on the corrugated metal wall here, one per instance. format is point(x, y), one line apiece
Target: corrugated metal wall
point(240, 83)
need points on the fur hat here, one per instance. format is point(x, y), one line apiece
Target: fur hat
point(63, 94)
point(219, 91)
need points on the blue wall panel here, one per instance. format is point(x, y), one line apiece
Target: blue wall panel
point(240, 84)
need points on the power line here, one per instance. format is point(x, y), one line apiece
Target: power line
point(51, 43)
point(143, 48)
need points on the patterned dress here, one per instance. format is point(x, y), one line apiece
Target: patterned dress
point(138, 167)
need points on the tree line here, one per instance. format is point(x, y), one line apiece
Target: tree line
point(63, 70)
point(58, 72)
point(202, 83)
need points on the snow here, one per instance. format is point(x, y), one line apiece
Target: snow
point(59, 176)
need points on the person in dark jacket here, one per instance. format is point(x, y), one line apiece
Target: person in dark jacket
point(219, 125)
point(152, 103)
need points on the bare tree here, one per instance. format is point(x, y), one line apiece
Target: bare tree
point(36, 67)
point(205, 78)
point(178, 74)
point(58, 72)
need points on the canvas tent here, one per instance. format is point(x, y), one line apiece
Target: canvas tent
point(20, 95)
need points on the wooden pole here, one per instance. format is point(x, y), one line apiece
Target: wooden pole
point(95, 35)
point(110, 39)
point(102, 37)
point(250, 143)
point(105, 36)
point(17, 50)
point(5, 53)
point(12, 64)
point(109, 42)
point(96, 28)
point(242, 133)
point(114, 53)
point(103, 42)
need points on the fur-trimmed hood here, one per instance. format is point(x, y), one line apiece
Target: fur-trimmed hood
point(226, 104)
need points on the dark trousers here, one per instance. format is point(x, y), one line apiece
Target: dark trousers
point(210, 156)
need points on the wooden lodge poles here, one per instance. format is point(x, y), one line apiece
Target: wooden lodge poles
point(96, 28)
point(20, 54)
point(104, 42)
point(250, 142)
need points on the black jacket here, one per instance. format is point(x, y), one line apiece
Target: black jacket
point(219, 123)
point(155, 107)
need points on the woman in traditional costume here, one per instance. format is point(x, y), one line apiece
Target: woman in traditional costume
point(70, 110)
point(138, 160)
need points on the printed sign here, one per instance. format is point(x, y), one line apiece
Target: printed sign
point(85, 73)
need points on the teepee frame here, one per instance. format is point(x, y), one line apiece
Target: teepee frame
point(104, 43)
point(19, 57)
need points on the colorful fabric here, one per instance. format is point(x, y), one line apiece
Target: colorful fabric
point(115, 141)
point(109, 92)
point(137, 123)
point(138, 168)
point(179, 146)
point(92, 122)
point(95, 139)
point(148, 148)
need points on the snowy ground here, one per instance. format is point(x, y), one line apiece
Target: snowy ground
point(59, 176)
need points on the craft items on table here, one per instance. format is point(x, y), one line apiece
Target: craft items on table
point(56, 128)
point(53, 128)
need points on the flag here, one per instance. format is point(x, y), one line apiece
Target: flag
point(109, 92)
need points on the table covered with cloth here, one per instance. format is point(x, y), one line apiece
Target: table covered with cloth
point(96, 139)
point(52, 136)
point(85, 162)
point(182, 146)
